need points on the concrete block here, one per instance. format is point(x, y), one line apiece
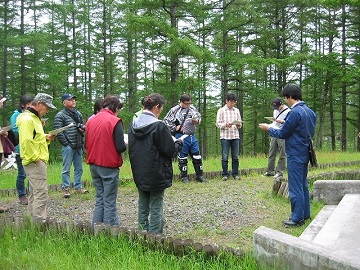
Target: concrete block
point(277, 250)
point(332, 191)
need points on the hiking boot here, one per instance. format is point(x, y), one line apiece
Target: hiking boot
point(269, 174)
point(185, 180)
point(66, 192)
point(3, 209)
point(81, 191)
point(201, 179)
point(23, 200)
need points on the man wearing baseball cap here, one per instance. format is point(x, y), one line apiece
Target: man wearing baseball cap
point(34, 152)
point(277, 145)
point(72, 141)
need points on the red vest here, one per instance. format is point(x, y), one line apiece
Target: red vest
point(99, 143)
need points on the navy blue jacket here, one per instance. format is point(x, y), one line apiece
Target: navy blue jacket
point(299, 123)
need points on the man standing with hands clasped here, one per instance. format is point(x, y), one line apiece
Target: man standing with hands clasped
point(298, 127)
point(228, 119)
point(72, 141)
point(276, 144)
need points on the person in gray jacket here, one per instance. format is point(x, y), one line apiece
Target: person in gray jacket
point(72, 141)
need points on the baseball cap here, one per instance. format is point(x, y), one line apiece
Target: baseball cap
point(276, 103)
point(46, 99)
point(67, 96)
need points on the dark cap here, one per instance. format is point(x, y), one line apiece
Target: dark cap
point(67, 96)
point(276, 103)
point(46, 99)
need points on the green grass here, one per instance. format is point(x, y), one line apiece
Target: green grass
point(33, 249)
point(26, 248)
point(8, 177)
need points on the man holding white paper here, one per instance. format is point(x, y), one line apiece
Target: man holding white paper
point(34, 152)
point(298, 130)
point(182, 119)
point(277, 145)
point(228, 120)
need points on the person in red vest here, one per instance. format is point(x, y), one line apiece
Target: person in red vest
point(104, 145)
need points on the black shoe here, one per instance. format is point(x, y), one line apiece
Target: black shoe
point(185, 180)
point(291, 223)
point(201, 179)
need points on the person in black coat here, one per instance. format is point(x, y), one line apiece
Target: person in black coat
point(151, 149)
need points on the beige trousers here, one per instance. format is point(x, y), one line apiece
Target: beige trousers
point(38, 189)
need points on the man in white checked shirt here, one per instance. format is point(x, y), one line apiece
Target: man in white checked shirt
point(228, 119)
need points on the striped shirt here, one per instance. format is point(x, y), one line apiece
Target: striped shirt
point(224, 116)
point(176, 115)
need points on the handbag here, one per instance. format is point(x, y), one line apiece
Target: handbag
point(7, 145)
point(312, 154)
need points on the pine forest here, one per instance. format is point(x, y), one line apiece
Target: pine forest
point(205, 48)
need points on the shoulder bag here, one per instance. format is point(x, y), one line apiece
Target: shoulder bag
point(312, 154)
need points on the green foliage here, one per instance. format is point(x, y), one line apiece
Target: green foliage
point(132, 48)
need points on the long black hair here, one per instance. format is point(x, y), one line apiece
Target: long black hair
point(25, 99)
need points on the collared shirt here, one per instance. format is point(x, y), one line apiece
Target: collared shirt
point(226, 115)
point(280, 115)
point(299, 124)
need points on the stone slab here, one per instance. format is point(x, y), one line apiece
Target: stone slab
point(317, 223)
point(332, 191)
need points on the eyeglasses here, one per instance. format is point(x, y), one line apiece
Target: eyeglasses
point(187, 103)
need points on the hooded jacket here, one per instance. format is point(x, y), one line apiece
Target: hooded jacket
point(151, 149)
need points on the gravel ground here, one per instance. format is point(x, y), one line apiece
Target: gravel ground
point(213, 212)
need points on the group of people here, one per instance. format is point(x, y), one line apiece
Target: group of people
point(32, 153)
point(296, 129)
point(152, 145)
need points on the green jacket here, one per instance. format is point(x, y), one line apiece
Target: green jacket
point(32, 138)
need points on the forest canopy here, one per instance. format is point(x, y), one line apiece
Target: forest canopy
point(204, 48)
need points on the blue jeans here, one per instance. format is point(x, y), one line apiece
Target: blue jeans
point(190, 146)
point(70, 156)
point(226, 145)
point(20, 180)
point(150, 211)
point(298, 187)
point(106, 182)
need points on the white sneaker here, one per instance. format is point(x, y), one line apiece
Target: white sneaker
point(277, 175)
point(225, 178)
point(268, 174)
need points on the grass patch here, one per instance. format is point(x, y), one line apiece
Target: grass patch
point(250, 201)
point(8, 177)
point(32, 249)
